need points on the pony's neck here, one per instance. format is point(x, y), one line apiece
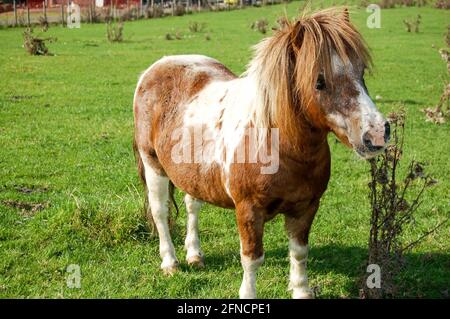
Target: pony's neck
point(309, 138)
point(309, 142)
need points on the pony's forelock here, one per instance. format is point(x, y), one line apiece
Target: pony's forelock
point(286, 66)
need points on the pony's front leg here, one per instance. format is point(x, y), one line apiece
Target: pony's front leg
point(194, 254)
point(251, 226)
point(298, 230)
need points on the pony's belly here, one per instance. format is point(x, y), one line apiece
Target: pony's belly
point(201, 183)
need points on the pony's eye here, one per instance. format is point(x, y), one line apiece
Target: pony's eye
point(320, 85)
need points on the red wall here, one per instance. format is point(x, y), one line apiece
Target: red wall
point(82, 3)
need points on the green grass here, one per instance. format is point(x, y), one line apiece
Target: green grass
point(66, 128)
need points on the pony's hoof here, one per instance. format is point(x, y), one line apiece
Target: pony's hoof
point(170, 270)
point(303, 294)
point(196, 261)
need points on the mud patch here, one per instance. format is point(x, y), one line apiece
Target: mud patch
point(25, 209)
point(30, 189)
point(16, 98)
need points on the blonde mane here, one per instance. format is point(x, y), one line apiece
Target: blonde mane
point(286, 65)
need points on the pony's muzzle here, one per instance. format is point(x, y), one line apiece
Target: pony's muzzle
point(375, 140)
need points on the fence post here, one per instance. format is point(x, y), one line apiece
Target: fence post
point(90, 12)
point(28, 15)
point(15, 13)
point(44, 9)
point(94, 13)
point(173, 7)
point(62, 14)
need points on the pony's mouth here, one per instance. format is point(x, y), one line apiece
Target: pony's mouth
point(367, 154)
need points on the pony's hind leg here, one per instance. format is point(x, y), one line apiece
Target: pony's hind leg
point(158, 199)
point(194, 254)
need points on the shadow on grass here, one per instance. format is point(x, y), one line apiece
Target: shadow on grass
point(424, 275)
point(407, 101)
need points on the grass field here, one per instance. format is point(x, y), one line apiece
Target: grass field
point(66, 128)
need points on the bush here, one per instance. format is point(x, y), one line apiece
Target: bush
point(130, 14)
point(196, 26)
point(35, 45)
point(393, 206)
point(43, 22)
point(114, 31)
point(179, 10)
point(412, 25)
point(260, 25)
point(156, 12)
point(442, 4)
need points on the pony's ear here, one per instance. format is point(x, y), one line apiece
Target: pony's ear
point(297, 34)
point(346, 15)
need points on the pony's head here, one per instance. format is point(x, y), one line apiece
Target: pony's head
point(313, 69)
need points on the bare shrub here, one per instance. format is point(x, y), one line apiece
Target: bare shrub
point(156, 12)
point(130, 14)
point(90, 14)
point(260, 25)
point(282, 22)
point(441, 112)
point(114, 31)
point(394, 203)
point(447, 37)
point(412, 25)
point(179, 10)
point(105, 15)
point(442, 4)
point(387, 4)
point(35, 45)
point(195, 26)
point(43, 22)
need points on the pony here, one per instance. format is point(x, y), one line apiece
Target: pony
point(255, 143)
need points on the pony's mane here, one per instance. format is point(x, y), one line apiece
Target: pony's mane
point(286, 65)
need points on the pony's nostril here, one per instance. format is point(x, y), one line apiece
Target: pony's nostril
point(387, 131)
point(367, 141)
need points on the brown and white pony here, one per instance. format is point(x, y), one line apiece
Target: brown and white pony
point(303, 82)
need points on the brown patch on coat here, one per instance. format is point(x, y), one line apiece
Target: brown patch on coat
point(159, 110)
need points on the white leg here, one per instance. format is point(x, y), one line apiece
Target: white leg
point(298, 279)
point(248, 286)
point(158, 197)
point(194, 255)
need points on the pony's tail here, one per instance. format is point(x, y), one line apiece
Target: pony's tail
point(147, 210)
point(141, 172)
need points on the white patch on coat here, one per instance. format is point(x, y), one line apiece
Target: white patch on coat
point(158, 198)
point(192, 242)
point(370, 116)
point(227, 102)
point(298, 279)
point(248, 286)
